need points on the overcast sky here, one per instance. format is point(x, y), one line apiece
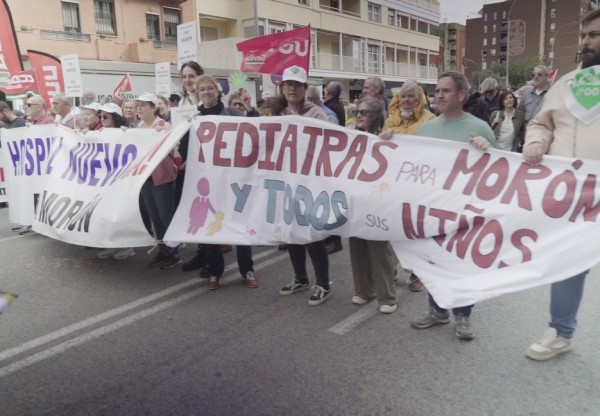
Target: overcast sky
point(457, 11)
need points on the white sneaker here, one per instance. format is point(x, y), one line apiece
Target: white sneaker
point(106, 253)
point(549, 346)
point(123, 253)
point(388, 308)
point(357, 300)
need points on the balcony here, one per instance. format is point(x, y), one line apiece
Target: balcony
point(164, 45)
point(60, 35)
point(349, 7)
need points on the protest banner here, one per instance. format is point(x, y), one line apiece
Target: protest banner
point(71, 73)
point(183, 113)
point(271, 54)
point(124, 88)
point(83, 189)
point(471, 224)
point(187, 43)
point(162, 78)
point(20, 84)
point(3, 183)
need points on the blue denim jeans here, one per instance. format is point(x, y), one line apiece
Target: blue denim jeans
point(565, 297)
point(463, 310)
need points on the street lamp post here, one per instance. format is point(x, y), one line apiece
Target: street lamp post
point(554, 42)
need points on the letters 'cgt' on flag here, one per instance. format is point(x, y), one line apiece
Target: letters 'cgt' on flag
point(20, 84)
point(124, 88)
point(271, 54)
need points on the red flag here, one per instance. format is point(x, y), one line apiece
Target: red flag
point(10, 57)
point(552, 76)
point(48, 72)
point(271, 54)
point(124, 87)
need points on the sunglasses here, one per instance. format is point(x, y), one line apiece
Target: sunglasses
point(30, 105)
point(363, 113)
point(537, 75)
point(104, 117)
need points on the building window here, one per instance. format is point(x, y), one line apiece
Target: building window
point(373, 59)
point(485, 17)
point(276, 27)
point(552, 26)
point(493, 41)
point(71, 20)
point(483, 55)
point(334, 5)
point(493, 28)
point(423, 27)
point(484, 41)
point(434, 30)
point(152, 27)
point(374, 11)
point(394, 18)
point(104, 12)
point(485, 29)
point(553, 13)
point(172, 19)
point(495, 15)
point(304, 2)
point(208, 33)
point(504, 14)
point(493, 52)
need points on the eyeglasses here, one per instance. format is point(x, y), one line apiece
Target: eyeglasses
point(104, 117)
point(206, 89)
point(539, 74)
point(363, 113)
point(31, 105)
point(237, 104)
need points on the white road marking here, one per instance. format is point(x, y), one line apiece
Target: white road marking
point(96, 333)
point(2, 240)
point(351, 322)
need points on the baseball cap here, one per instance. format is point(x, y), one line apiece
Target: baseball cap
point(295, 73)
point(112, 108)
point(150, 98)
point(175, 97)
point(93, 106)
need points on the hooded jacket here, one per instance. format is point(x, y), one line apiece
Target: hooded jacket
point(420, 116)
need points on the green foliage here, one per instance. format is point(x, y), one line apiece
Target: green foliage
point(520, 72)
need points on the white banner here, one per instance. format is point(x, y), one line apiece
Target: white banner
point(3, 183)
point(162, 76)
point(471, 224)
point(85, 188)
point(72, 75)
point(187, 43)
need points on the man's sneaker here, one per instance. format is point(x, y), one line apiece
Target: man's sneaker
point(549, 346)
point(6, 299)
point(213, 283)
point(333, 245)
point(462, 328)
point(319, 296)
point(123, 253)
point(158, 259)
point(251, 280)
point(171, 261)
point(388, 308)
point(106, 253)
point(414, 283)
point(26, 229)
point(294, 287)
point(432, 317)
point(358, 300)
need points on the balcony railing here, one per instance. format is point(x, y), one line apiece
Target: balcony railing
point(164, 45)
point(59, 35)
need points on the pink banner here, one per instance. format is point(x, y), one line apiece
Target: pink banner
point(10, 58)
point(271, 54)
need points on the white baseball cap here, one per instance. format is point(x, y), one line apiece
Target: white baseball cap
point(150, 98)
point(93, 106)
point(295, 73)
point(112, 108)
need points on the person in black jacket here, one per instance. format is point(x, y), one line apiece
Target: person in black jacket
point(476, 106)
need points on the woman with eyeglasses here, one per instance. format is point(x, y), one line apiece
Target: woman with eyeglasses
point(292, 101)
point(111, 116)
point(373, 262)
point(407, 113)
point(241, 100)
point(208, 91)
point(129, 109)
point(508, 123)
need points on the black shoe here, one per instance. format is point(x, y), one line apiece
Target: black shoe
point(333, 246)
point(206, 272)
point(282, 247)
point(170, 262)
point(194, 263)
point(158, 259)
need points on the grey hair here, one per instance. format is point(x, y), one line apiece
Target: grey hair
point(335, 89)
point(62, 97)
point(410, 86)
point(546, 69)
point(314, 94)
point(378, 82)
point(487, 84)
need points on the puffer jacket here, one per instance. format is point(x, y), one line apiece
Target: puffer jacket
point(395, 122)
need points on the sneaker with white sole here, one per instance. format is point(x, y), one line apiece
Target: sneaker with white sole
point(463, 328)
point(432, 317)
point(388, 308)
point(251, 280)
point(320, 295)
point(359, 300)
point(107, 253)
point(549, 346)
point(123, 253)
point(294, 287)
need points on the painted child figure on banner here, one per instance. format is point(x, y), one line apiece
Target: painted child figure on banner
point(567, 125)
point(451, 91)
point(200, 207)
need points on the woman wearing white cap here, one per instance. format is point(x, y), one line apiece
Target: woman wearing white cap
point(159, 190)
point(207, 88)
point(111, 117)
point(291, 101)
point(91, 117)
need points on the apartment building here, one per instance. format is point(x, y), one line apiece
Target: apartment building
point(396, 40)
point(546, 28)
point(111, 37)
point(452, 46)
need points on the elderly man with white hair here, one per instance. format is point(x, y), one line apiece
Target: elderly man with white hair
point(35, 109)
point(66, 114)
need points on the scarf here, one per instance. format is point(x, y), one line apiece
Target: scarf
point(217, 110)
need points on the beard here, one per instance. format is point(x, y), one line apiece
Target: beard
point(592, 58)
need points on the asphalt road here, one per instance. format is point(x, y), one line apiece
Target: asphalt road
point(101, 337)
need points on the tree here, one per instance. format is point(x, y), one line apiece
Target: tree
point(520, 71)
